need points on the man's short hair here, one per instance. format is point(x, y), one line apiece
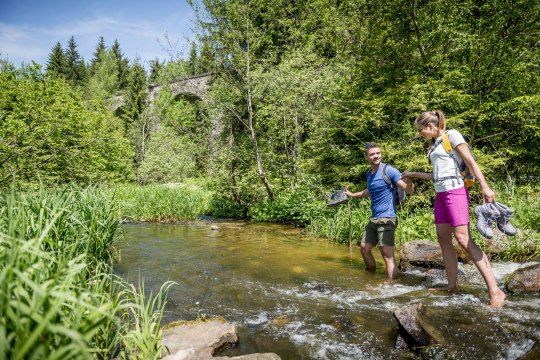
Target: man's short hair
point(370, 146)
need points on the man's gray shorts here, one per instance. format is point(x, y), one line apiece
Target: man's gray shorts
point(380, 230)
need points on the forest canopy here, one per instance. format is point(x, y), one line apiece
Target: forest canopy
point(298, 88)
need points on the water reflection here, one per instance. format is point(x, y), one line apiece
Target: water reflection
point(304, 299)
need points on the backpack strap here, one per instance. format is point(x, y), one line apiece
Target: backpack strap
point(446, 142)
point(447, 146)
point(385, 176)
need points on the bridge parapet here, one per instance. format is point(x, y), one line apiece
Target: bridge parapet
point(191, 87)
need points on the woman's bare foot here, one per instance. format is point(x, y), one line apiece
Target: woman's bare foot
point(449, 289)
point(497, 300)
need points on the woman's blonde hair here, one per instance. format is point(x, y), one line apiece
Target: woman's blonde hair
point(431, 117)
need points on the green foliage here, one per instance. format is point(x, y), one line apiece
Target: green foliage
point(176, 146)
point(56, 63)
point(122, 65)
point(170, 158)
point(99, 53)
point(103, 82)
point(155, 69)
point(223, 206)
point(173, 70)
point(143, 339)
point(335, 224)
point(135, 97)
point(48, 132)
point(525, 201)
point(76, 72)
point(177, 202)
point(299, 207)
point(58, 296)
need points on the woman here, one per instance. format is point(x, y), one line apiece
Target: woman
point(452, 200)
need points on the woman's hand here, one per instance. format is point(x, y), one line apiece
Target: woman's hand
point(488, 195)
point(406, 175)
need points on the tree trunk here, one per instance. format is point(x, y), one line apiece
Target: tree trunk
point(417, 31)
point(253, 135)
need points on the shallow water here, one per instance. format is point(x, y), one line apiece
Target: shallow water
point(304, 298)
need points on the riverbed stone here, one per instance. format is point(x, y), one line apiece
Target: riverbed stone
point(409, 327)
point(525, 280)
point(197, 340)
point(425, 254)
point(420, 254)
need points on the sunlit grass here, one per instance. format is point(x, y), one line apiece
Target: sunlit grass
point(161, 203)
point(58, 296)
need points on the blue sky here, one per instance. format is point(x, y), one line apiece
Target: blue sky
point(145, 29)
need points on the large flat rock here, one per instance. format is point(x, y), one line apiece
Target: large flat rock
point(197, 340)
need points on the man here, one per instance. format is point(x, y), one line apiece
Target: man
point(382, 224)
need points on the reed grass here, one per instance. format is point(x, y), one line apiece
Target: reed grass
point(161, 203)
point(143, 339)
point(525, 201)
point(58, 296)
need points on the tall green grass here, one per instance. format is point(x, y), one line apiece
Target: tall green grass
point(161, 203)
point(58, 296)
point(525, 201)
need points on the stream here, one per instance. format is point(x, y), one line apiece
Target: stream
point(304, 298)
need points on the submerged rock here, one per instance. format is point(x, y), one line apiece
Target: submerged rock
point(526, 279)
point(197, 340)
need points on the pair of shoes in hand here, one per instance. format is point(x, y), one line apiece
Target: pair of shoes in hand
point(497, 213)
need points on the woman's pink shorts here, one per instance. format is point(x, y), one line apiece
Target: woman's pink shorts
point(452, 207)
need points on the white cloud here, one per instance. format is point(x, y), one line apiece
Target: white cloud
point(137, 38)
point(19, 44)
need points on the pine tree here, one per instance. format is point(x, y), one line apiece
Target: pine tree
point(193, 59)
point(155, 68)
point(98, 55)
point(56, 63)
point(206, 59)
point(122, 64)
point(76, 68)
point(135, 123)
point(135, 94)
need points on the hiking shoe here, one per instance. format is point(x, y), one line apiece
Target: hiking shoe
point(502, 221)
point(486, 215)
point(338, 197)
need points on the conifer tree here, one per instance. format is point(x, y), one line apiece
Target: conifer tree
point(98, 55)
point(76, 68)
point(135, 123)
point(206, 58)
point(155, 68)
point(193, 59)
point(122, 64)
point(56, 63)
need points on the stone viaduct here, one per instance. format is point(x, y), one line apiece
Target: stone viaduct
point(191, 88)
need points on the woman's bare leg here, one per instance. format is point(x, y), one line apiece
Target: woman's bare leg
point(444, 235)
point(481, 261)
